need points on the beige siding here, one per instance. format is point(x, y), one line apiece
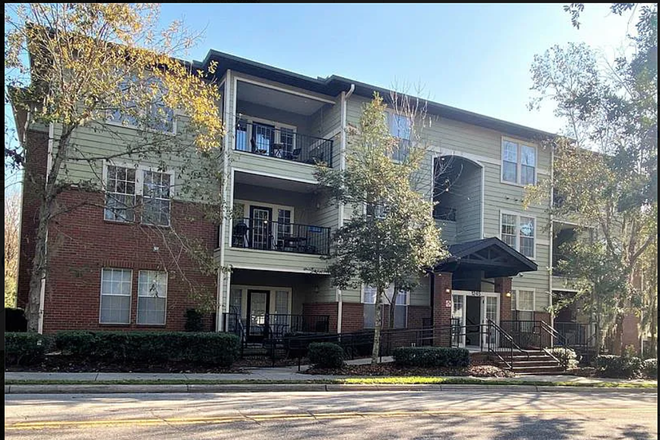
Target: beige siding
point(270, 166)
point(272, 260)
point(421, 295)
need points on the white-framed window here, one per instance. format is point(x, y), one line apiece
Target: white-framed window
point(265, 137)
point(157, 116)
point(519, 232)
point(400, 306)
point(282, 301)
point(525, 300)
point(125, 183)
point(120, 194)
point(518, 162)
point(152, 297)
point(400, 127)
point(156, 198)
point(116, 287)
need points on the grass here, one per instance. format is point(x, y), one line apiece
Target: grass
point(411, 380)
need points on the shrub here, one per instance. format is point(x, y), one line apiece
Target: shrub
point(618, 366)
point(206, 348)
point(193, 321)
point(326, 355)
point(567, 357)
point(650, 368)
point(15, 320)
point(431, 357)
point(25, 348)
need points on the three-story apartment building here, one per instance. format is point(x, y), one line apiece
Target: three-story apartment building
point(279, 125)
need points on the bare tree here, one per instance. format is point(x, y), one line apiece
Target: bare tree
point(12, 227)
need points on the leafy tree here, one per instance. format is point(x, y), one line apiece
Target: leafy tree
point(12, 226)
point(391, 237)
point(77, 64)
point(605, 170)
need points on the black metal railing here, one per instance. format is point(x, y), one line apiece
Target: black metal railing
point(282, 143)
point(575, 334)
point(527, 334)
point(502, 345)
point(444, 213)
point(255, 233)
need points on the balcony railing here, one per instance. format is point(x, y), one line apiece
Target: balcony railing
point(444, 213)
point(283, 143)
point(253, 233)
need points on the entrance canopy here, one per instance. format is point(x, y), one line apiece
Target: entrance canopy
point(491, 256)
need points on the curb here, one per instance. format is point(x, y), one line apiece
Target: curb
point(249, 388)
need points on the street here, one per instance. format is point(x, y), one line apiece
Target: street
point(443, 414)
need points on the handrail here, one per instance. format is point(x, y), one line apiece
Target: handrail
point(254, 233)
point(509, 338)
point(555, 334)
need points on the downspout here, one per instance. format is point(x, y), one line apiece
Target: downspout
point(225, 165)
point(42, 295)
point(552, 234)
point(342, 167)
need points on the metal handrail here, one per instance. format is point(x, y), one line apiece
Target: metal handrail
point(555, 334)
point(259, 234)
point(500, 331)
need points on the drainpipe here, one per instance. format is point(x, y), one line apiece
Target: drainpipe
point(552, 233)
point(342, 167)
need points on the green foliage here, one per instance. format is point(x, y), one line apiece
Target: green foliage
point(650, 368)
point(618, 366)
point(193, 321)
point(431, 357)
point(567, 357)
point(207, 348)
point(25, 348)
point(326, 355)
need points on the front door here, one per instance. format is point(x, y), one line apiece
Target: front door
point(260, 225)
point(472, 320)
point(489, 308)
point(257, 305)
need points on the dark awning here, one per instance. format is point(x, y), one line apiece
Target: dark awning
point(490, 255)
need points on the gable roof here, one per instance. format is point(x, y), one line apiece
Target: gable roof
point(492, 255)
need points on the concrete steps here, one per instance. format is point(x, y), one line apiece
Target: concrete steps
point(532, 362)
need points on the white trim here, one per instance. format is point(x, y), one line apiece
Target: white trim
point(247, 203)
point(565, 290)
point(261, 173)
point(130, 296)
point(517, 293)
point(473, 157)
point(483, 200)
point(272, 294)
point(520, 144)
point(282, 89)
point(272, 269)
point(518, 215)
point(137, 305)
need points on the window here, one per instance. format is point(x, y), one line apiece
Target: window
point(236, 301)
point(400, 127)
point(123, 184)
point(120, 194)
point(152, 297)
point(116, 296)
point(518, 163)
point(286, 139)
point(400, 306)
point(519, 232)
point(281, 302)
point(156, 198)
point(525, 300)
point(158, 116)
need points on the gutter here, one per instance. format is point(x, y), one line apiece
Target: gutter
point(342, 167)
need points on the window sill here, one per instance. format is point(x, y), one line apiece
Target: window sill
point(150, 325)
point(115, 222)
point(148, 130)
point(519, 185)
point(115, 324)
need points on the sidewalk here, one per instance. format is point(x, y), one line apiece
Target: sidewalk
point(289, 380)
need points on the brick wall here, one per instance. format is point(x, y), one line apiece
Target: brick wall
point(352, 317)
point(81, 243)
point(34, 180)
point(503, 285)
point(417, 314)
point(441, 313)
point(329, 309)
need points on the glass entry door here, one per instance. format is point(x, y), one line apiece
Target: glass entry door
point(489, 311)
point(258, 301)
point(260, 219)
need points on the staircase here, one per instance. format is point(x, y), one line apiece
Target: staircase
point(532, 362)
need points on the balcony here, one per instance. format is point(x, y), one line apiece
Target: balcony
point(282, 143)
point(257, 233)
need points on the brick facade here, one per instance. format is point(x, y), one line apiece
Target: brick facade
point(34, 180)
point(352, 318)
point(442, 307)
point(503, 286)
point(81, 243)
point(329, 308)
point(417, 315)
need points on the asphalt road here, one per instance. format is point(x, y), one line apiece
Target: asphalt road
point(355, 415)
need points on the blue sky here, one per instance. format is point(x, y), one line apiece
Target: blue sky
point(472, 56)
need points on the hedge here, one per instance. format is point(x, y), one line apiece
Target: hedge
point(326, 355)
point(650, 368)
point(567, 357)
point(431, 357)
point(25, 348)
point(205, 348)
point(619, 366)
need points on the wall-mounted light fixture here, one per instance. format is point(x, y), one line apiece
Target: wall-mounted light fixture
point(316, 289)
point(447, 290)
point(508, 294)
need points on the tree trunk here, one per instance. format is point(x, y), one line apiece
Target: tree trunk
point(378, 322)
point(392, 305)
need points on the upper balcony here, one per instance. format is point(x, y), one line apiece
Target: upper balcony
point(283, 133)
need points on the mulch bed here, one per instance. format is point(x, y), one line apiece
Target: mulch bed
point(66, 364)
point(391, 369)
